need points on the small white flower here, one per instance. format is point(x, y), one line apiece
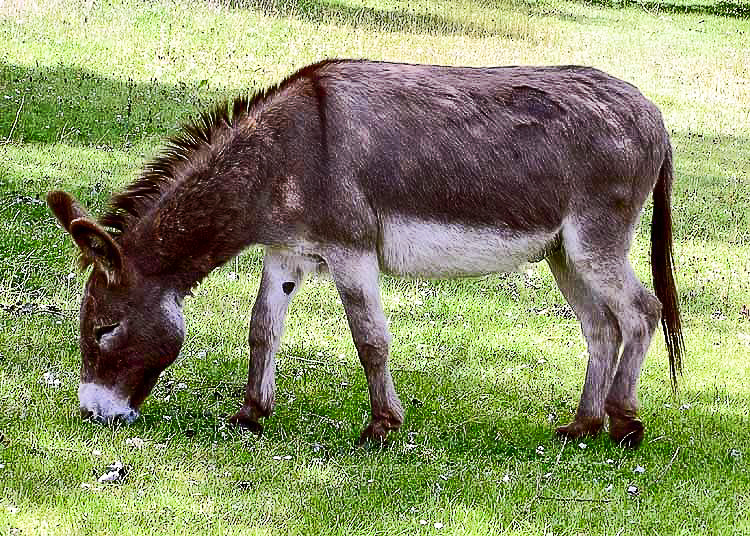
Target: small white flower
point(632, 490)
point(277, 458)
point(423, 522)
point(115, 471)
point(2, 465)
point(639, 469)
point(181, 386)
point(11, 509)
point(547, 475)
point(232, 276)
point(610, 461)
point(135, 442)
point(582, 446)
point(167, 417)
point(735, 453)
point(684, 407)
point(540, 450)
point(439, 525)
point(287, 457)
point(506, 478)
point(50, 380)
point(370, 481)
point(608, 489)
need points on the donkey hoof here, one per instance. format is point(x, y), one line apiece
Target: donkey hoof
point(627, 433)
point(375, 433)
point(242, 420)
point(581, 427)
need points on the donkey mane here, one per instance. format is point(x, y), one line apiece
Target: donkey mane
point(183, 150)
point(164, 170)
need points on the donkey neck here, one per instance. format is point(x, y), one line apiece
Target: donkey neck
point(206, 217)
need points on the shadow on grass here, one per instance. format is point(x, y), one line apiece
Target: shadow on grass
point(738, 10)
point(446, 406)
point(74, 106)
point(71, 109)
point(403, 20)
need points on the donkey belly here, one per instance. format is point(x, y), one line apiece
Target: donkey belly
point(444, 250)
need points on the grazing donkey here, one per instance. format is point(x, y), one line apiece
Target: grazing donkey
point(361, 167)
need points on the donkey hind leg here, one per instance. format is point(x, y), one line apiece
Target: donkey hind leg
point(639, 316)
point(356, 278)
point(283, 273)
point(607, 271)
point(602, 334)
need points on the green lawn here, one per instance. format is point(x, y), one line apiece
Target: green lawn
point(486, 368)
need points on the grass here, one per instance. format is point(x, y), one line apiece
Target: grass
point(486, 368)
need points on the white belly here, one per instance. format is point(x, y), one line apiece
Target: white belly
point(436, 250)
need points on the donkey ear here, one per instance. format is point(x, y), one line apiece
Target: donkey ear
point(98, 245)
point(65, 208)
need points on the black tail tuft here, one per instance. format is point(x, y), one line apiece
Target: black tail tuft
point(663, 270)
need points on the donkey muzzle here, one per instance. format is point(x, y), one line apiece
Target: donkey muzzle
point(104, 405)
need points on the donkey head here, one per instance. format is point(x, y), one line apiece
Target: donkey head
point(131, 325)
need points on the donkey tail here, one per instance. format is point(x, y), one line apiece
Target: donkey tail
point(662, 268)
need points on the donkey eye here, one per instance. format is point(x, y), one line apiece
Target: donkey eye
point(101, 331)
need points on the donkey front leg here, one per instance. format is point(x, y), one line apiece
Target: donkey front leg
point(356, 278)
point(282, 276)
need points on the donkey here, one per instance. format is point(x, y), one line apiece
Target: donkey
point(358, 168)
